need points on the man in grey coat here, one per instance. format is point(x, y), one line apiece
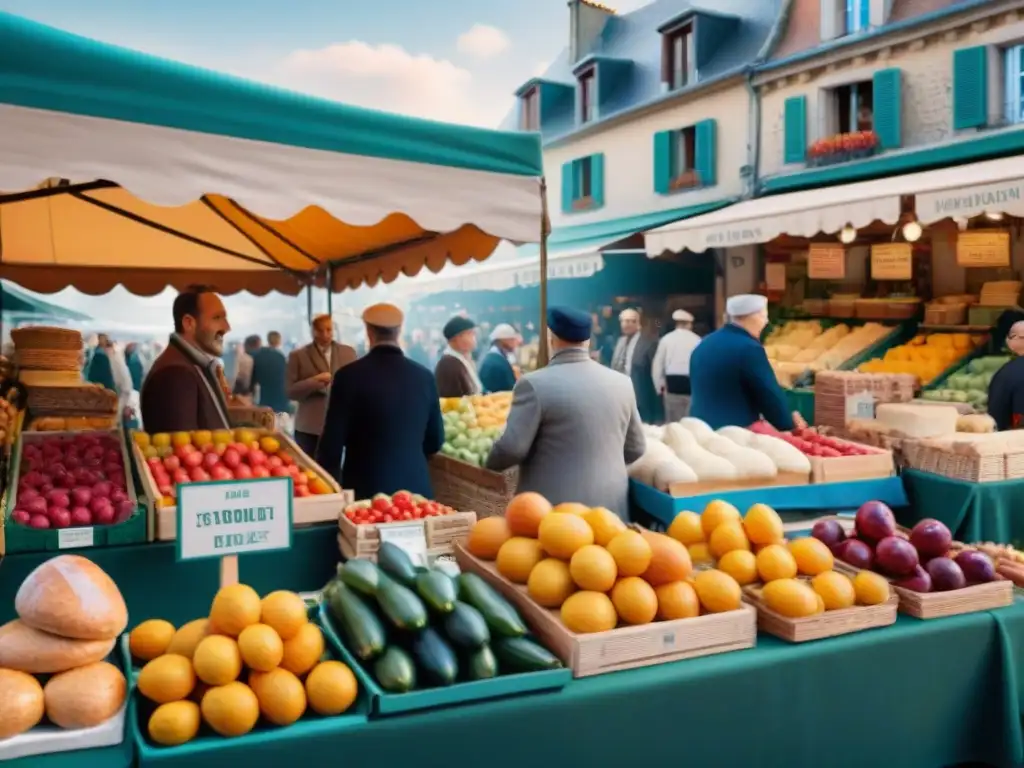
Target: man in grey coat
point(574, 425)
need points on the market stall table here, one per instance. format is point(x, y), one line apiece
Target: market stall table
point(972, 511)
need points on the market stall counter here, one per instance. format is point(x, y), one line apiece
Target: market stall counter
point(972, 511)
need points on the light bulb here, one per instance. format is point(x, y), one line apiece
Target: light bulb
point(912, 232)
point(847, 234)
point(993, 216)
point(961, 223)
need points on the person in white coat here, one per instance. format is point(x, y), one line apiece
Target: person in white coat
point(671, 367)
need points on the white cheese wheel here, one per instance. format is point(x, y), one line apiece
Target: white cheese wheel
point(673, 470)
point(918, 421)
point(40, 653)
point(697, 428)
point(642, 470)
point(704, 463)
point(750, 463)
point(787, 458)
point(738, 435)
point(678, 439)
point(71, 596)
point(85, 697)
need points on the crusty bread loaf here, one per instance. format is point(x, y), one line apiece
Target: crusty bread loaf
point(21, 703)
point(71, 596)
point(85, 697)
point(40, 653)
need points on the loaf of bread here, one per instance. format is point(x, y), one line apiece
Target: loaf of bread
point(40, 653)
point(85, 697)
point(73, 597)
point(21, 703)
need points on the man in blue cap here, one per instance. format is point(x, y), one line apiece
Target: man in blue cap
point(574, 426)
point(456, 373)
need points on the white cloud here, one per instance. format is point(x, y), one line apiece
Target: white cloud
point(540, 69)
point(483, 41)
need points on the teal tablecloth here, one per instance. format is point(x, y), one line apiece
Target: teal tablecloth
point(973, 511)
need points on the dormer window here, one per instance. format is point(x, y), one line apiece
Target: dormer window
point(529, 110)
point(858, 15)
point(588, 96)
point(846, 17)
point(678, 57)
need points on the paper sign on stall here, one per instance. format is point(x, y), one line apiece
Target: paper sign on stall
point(411, 537)
point(228, 518)
point(826, 262)
point(775, 276)
point(892, 261)
point(988, 248)
point(860, 406)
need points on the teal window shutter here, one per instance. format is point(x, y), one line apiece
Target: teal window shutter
point(887, 92)
point(795, 139)
point(662, 161)
point(706, 162)
point(597, 180)
point(568, 180)
point(970, 88)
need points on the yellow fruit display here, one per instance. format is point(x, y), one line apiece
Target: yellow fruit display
point(686, 528)
point(486, 537)
point(741, 565)
point(561, 535)
point(605, 524)
point(261, 647)
point(791, 598)
point(924, 356)
point(571, 508)
point(717, 591)
point(677, 600)
point(631, 552)
point(775, 562)
point(167, 678)
point(281, 696)
point(217, 660)
point(812, 556)
point(593, 568)
point(517, 557)
point(716, 513)
point(151, 639)
point(550, 583)
point(835, 590)
point(700, 553)
point(762, 524)
point(727, 537)
point(303, 651)
point(234, 608)
point(635, 600)
point(331, 688)
point(174, 723)
point(187, 638)
point(284, 612)
point(586, 612)
point(870, 588)
point(230, 710)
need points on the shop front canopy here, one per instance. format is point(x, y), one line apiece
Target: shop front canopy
point(121, 168)
point(993, 187)
point(14, 301)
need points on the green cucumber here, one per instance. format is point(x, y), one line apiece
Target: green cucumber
point(394, 561)
point(501, 617)
point(395, 671)
point(361, 575)
point(435, 657)
point(521, 655)
point(437, 590)
point(465, 626)
point(359, 627)
point(482, 664)
point(401, 606)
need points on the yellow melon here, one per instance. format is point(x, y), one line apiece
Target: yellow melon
point(593, 568)
point(727, 537)
point(167, 678)
point(716, 513)
point(234, 608)
point(586, 612)
point(151, 639)
point(790, 598)
point(741, 565)
point(281, 696)
point(303, 651)
point(217, 660)
point(631, 552)
point(486, 537)
point(525, 512)
point(174, 723)
point(835, 589)
point(230, 710)
point(870, 588)
point(812, 556)
point(717, 591)
point(517, 557)
point(331, 688)
point(605, 524)
point(635, 600)
point(187, 638)
point(670, 560)
point(762, 524)
point(775, 562)
point(686, 528)
point(284, 612)
point(550, 583)
point(261, 647)
point(561, 535)
point(677, 600)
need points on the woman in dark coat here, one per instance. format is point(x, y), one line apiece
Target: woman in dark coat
point(1006, 390)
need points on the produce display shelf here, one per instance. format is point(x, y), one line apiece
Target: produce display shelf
point(384, 704)
point(902, 333)
point(956, 328)
point(939, 381)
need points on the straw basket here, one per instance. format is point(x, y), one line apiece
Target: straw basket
point(81, 400)
point(472, 489)
point(46, 337)
point(254, 416)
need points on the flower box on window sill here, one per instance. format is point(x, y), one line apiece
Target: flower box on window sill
point(687, 180)
point(843, 148)
point(583, 203)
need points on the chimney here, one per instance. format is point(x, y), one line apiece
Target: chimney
point(586, 21)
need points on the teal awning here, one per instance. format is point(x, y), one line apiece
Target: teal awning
point(17, 301)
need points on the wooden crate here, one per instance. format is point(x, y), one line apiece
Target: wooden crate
point(625, 647)
point(306, 510)
point(683, 490)
point(828, 624)
point(348, 553)
point(439, 532)
point(463, 486)
point(842, 469)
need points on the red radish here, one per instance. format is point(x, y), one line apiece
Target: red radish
point(104, 515)
point(39, 521)
point(81, 516)
point(98, 503)
point(60, 518)
point(36, 506)
point(123, 511)
point(58, 498)
point(81, 496)
point(20, 516)
point(102, 489)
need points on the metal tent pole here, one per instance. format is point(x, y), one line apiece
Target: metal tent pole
point(545, 227)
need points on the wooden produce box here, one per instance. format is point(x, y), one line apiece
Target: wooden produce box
point(625, 647)
point(19, 538)
point(463, 486)
point(306, 510)
point(440, 533)
point(842, 469)
point(684, 490)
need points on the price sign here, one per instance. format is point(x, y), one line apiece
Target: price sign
point(775, 276)
point(826, 262)
point(892, 261)
point(860, 406)
point(75, 538)
point(409, 536)
point(987, 248)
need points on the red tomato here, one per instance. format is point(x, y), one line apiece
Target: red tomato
point(381, 505)
point(387, 519)
point(301, 490)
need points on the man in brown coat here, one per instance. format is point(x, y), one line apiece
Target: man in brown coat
point(184, 390)
point(308, 380)
point(456, 372)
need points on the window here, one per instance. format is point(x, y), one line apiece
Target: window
point(1014, 78)
point(858, 15)
point(588, 105)
point(683, 158)
point(529, 110)
point(679, 63)
point(583, 184)
point(852, 109)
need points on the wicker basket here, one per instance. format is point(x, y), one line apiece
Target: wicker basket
point(252, 416)
point(81, 400)
point(901, 310)
point(46, 337)
point(944, 313)
point(472, 489)
point(49, 359)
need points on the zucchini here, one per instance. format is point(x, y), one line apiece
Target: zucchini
point(465, 627)
point(393, 560)
point(435, 657)
point(437, 590)
point(395, 671)
point(360, 575)
point(482, 664)
point(359, 627)
point(501, 617)
point(401, 606)
point(521, 655)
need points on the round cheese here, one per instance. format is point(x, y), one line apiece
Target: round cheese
point(71, 596)
point(85, 697)
point(918, 421)
point(40, 653)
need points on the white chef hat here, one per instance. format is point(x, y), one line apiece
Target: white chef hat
point(682, 316)
point(504, 332)
point(745, 304)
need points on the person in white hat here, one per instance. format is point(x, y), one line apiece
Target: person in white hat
point(383, 416)
point(498, 367)
point(671, 368)
point(731, 381)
